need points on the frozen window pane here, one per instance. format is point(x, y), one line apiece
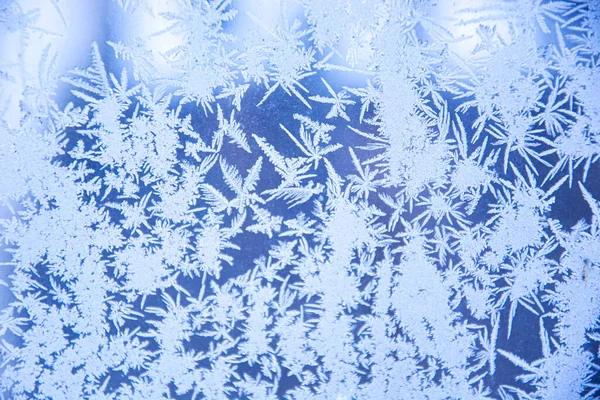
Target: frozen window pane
point(314, 199)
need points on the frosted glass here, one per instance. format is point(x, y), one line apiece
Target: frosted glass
point(299, 199)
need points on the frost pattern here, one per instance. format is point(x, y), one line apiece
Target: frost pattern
point(334, 199)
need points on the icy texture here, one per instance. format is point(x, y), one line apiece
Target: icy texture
point(312, 199)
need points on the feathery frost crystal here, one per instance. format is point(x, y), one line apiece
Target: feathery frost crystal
point(300, 199)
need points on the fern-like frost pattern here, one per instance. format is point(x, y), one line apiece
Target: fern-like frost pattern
point(311, 199)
